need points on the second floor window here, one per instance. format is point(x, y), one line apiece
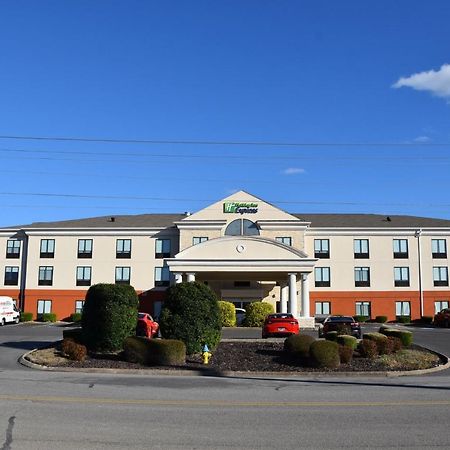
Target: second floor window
point(439, 248)
point(362, 277)
point(84, 248)
point(322, 276)
point(45, 276)
point(11, 276)
point(162, 248)
point(286, 240)
point(84, 276)
point(123, 275)
point(400, 247)
point(12, 249)
point(440, 276)
point(401, 276)
point(123, 248)
point(162, 276)
point(198, 240)
point(321, 248)
point(47, 248)
point(361, 248)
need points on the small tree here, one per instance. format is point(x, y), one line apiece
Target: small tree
point(227, 314)
point(256, 312)
point(109, 316)
point(191, 314)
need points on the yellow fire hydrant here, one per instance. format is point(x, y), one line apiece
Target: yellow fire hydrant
point(206, 354)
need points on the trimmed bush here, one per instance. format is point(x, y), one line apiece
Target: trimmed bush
point(325, 354)
point(191, 314)
point(75, 317)
point(155, 352)
point(362, 319)
point(347, 341)
point(48, 317)
point(331, 336)
point(406, 337)
point(256, 313)
point(345, 354)
point(368, 348)
point(299, 344)
point(381, 319)
point(396, 343)
point(403, 319)
point(72, 350)
point(381, 341)
point(109, 316)
point(76, 334)
point(26, 316)
point(227, 314)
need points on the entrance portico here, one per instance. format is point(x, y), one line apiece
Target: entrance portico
point(256, 258)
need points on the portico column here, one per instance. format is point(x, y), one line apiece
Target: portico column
point(293, 294)
point(190, 277)
point(305, 295)
point(178, 278)
point(284, 292)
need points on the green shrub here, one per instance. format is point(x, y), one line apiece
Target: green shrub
point(325, 354)
point(155, 352)
point(76, 334)
point(48, 317)
point(256, 313)
point(331, 336)
point(381, 319)
point(26, 316)
point(368, 348)
point(406, 337)
point(75, 317)
point(381, 341)
point(345, 354)
point(191, 314)
point(227, 314)
point(299, 344)
point(347, 341)
point(72, 350)
point(403, 319)
point(362, 319)
point(109, 316)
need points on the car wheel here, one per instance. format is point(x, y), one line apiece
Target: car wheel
point(3, 321)
point(17, 320)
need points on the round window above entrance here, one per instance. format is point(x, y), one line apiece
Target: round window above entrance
point(242, 227)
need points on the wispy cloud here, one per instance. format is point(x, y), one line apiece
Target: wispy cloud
point(437, 82)
point(293, 170)
point(422, 139)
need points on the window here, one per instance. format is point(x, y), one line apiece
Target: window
point(199, 240)
point(43, 307)
point(123, 275)
point(123, 248)
point(402, 309)
point(321, 248)
point(162, 276)
point(401, 276)
point(47, 248)
point(440, 305)
point(12, 249)
point(84, 248)
point(45, 276)
point(79, 306)
point(363, 309)
point(322, 276)
point(361, 248)
point(400, 248)
point(11, 276)
point(323, 308)
point(242, 284)
point(162, 248)
point(440, 276)
point(84, 276)
point(439, 248)
point(362, 277)
point(286, 240)
point(242, 227)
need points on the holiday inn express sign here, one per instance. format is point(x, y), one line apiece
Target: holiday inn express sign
point(240, 208)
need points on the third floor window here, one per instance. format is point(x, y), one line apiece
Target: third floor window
point(84, 248)
point(361, 248)
point(123, 248)
point(162, 248)
point(400, 247)
point(439, 248)
point(13, 248)
point(321, 248)
point(286, 240)
point(47, 248)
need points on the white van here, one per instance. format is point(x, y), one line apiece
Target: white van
point(8, 311)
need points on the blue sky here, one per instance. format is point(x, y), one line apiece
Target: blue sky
point(307, 72)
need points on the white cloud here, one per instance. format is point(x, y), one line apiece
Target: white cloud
point(293, 170)
point(437, 82)
point(422, 139)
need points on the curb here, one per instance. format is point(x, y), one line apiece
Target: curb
point(235, 374)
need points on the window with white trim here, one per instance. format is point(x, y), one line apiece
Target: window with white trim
point(322, 276)
point(323, 308)
point(363, 309)
point(322, 248)
point(79, 306)
point(84, 276)
point(84, 248)
point(162, 276)
point(123, 248)
point(400, 247)
point(47, 248)
point(11, 276)
point(242, 227)
point(439, 248)
point(45, 276)
point(286, 240)
point(43, 307)
point(361, 248)
point(440, 276)
point(401, 276)
point(12, 249)
point(123, 275)
point(162, 248)
point(362, 276)
point(198, 240)
point(440, 305)
point(402, 309)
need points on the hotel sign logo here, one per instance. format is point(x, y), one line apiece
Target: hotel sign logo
point(240, 208)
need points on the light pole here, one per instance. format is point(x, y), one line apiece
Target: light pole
point(417, 235)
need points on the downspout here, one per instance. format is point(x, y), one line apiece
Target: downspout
point(417, 234)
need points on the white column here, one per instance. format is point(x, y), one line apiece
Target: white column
point(293, 294)
point(178, 278)
point(190, 277)
point(305, 296)
point(284, 292)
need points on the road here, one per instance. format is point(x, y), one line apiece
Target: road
point(54, 410)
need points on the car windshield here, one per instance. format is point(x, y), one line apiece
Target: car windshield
point(141, 315)
point(281, 316)
point(340, 319)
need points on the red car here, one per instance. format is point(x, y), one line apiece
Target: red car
point(442, 319)
point(146, 326)
point(280, 325)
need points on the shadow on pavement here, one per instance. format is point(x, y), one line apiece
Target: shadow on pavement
point(27, 345)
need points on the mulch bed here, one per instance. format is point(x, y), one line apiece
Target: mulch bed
point(236, 356)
